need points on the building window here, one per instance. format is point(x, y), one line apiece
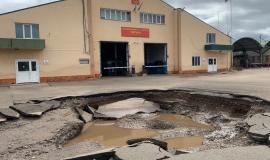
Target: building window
point(113, 14)
point(196, 61)
point(149, 18)
point(27, 31)
point(211, 38)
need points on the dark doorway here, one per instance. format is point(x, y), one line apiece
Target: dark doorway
point(155, 55)
point(114, 59)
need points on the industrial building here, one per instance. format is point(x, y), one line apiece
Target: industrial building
point(84, 39)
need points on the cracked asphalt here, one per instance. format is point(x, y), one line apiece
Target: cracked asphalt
point(254, 82)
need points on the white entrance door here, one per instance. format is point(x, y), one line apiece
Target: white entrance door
point(212, 64)
point(27, 71)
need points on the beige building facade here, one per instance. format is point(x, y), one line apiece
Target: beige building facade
point(85, 39)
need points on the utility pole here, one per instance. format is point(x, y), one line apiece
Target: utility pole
point(231, 28)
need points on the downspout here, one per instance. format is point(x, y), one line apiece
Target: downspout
point(178, 25)
point(91, 38)
point(87, 25)
point(85, 30)
point(177, 40)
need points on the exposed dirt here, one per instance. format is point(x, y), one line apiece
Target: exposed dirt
point(44, 138)
point(28, 138)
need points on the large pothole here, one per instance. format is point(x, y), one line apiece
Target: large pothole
point(187, 120)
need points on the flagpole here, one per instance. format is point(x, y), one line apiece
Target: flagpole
point(231, 19)
point(231, 27)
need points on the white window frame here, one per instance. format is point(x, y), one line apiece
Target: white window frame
point(145, 18)
point(113, 14)
point(108, 14)
point(208, 37)
point(103, 11)
point(31, 31)
point(158, 19)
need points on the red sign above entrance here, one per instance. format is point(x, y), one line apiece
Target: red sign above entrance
point(135, 2)
point(135, 32)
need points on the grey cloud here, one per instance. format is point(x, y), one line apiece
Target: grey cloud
point(10, 5)
point(250, 17)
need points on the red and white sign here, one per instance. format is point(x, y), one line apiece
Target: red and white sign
point(135, 2)
point(135, 32)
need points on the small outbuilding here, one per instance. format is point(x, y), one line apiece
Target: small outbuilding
point(247, 52)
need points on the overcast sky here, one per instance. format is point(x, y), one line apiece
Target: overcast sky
point(250, 17)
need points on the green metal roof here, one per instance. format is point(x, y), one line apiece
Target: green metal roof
point(218, 47)
point(12, 43)
point(5, 43)
point(247, 44)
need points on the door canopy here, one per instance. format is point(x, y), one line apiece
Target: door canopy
point(247, 44)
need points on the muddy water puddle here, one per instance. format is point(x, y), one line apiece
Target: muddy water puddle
point(185, 142)
point(110, 135)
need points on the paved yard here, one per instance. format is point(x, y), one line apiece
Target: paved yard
point(249, 82)
point(254, 82)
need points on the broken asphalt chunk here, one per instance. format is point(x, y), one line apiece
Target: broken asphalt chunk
point(9, 113)
point(161, 144)
point(99, 155)
point(258, 119)
point(90, 110)
point(259, 132)
point(2, 119)
point(31, 110)
point(52, 104)
point(84, 116)
point(144, 150)
point(259, 127)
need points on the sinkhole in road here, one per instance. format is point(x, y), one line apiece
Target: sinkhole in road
point(189, 120)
